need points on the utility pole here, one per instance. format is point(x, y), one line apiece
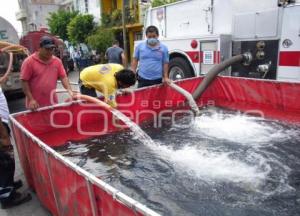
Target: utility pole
point(124, 33)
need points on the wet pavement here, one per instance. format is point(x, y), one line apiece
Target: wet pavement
point(33, 207)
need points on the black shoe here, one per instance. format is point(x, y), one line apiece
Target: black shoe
point(17, 184)
point(16, 198)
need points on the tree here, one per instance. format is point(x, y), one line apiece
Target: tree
point(80, 28)
point(101, 39)
point(157, 3)
point(114, 19)
point(58, 22)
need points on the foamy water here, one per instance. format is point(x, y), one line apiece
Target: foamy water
point(207, 165)
point(239, 128)
point(201, 160)
point(228, 160)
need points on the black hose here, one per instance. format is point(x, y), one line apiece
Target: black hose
point(212, 73)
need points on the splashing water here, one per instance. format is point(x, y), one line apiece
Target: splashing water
point(225, 163)
point(201, 163)
point(240, 128)
point(139, 133)
point(208, 166)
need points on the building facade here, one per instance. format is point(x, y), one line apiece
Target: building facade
point(33, 14)
point(92, 7)
point(112, 13)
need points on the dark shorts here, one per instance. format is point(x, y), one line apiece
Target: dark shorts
point(145, 82)
point(87, 91)
point(7, 171)
point(6, 127)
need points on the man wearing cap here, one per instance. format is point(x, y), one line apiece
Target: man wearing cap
point(39, 74)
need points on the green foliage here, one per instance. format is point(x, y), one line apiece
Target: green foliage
point(130, 15)
point(80, 28)
point(58, 22)
point(105, 20)
point(101, 39)
point(157, 3)
point(115, 18)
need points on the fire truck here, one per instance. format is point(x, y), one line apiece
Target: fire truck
point(203, 33)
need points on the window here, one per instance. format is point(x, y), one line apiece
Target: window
point(138, 36)
point(86, 5)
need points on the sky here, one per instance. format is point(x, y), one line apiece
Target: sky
point(8, 11)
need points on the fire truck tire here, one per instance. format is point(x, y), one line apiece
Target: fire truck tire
point(179, 68)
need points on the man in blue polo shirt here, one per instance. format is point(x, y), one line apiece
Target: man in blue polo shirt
point(153, 59)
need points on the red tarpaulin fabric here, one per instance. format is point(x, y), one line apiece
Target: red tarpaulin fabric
point(53, 179)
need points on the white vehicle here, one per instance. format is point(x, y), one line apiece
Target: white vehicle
point(203, 33)
point(7, 32)
point(11, 58)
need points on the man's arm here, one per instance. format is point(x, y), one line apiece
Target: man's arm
point(66, 84)
point(134, 64)
point(105, 55)
point(33, 104)
point(123, 60)
point(166, 70)
point(135, 59)
point(26, 75)
point(166, 73)
point(166, 66)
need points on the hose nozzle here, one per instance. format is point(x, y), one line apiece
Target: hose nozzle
point(247, 58)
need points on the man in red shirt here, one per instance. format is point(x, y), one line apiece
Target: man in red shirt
point(39, 75)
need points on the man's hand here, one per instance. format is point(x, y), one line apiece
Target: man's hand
point(75, 95)
point(33, 104)
point(167, 80)
point(125, 91)
point(112, 103)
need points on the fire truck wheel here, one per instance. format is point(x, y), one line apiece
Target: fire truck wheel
point(179, 68)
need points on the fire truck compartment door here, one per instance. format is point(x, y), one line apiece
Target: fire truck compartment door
point(263, 24)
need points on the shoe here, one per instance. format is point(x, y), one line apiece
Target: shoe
point(16, 198)
point(17, 184)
